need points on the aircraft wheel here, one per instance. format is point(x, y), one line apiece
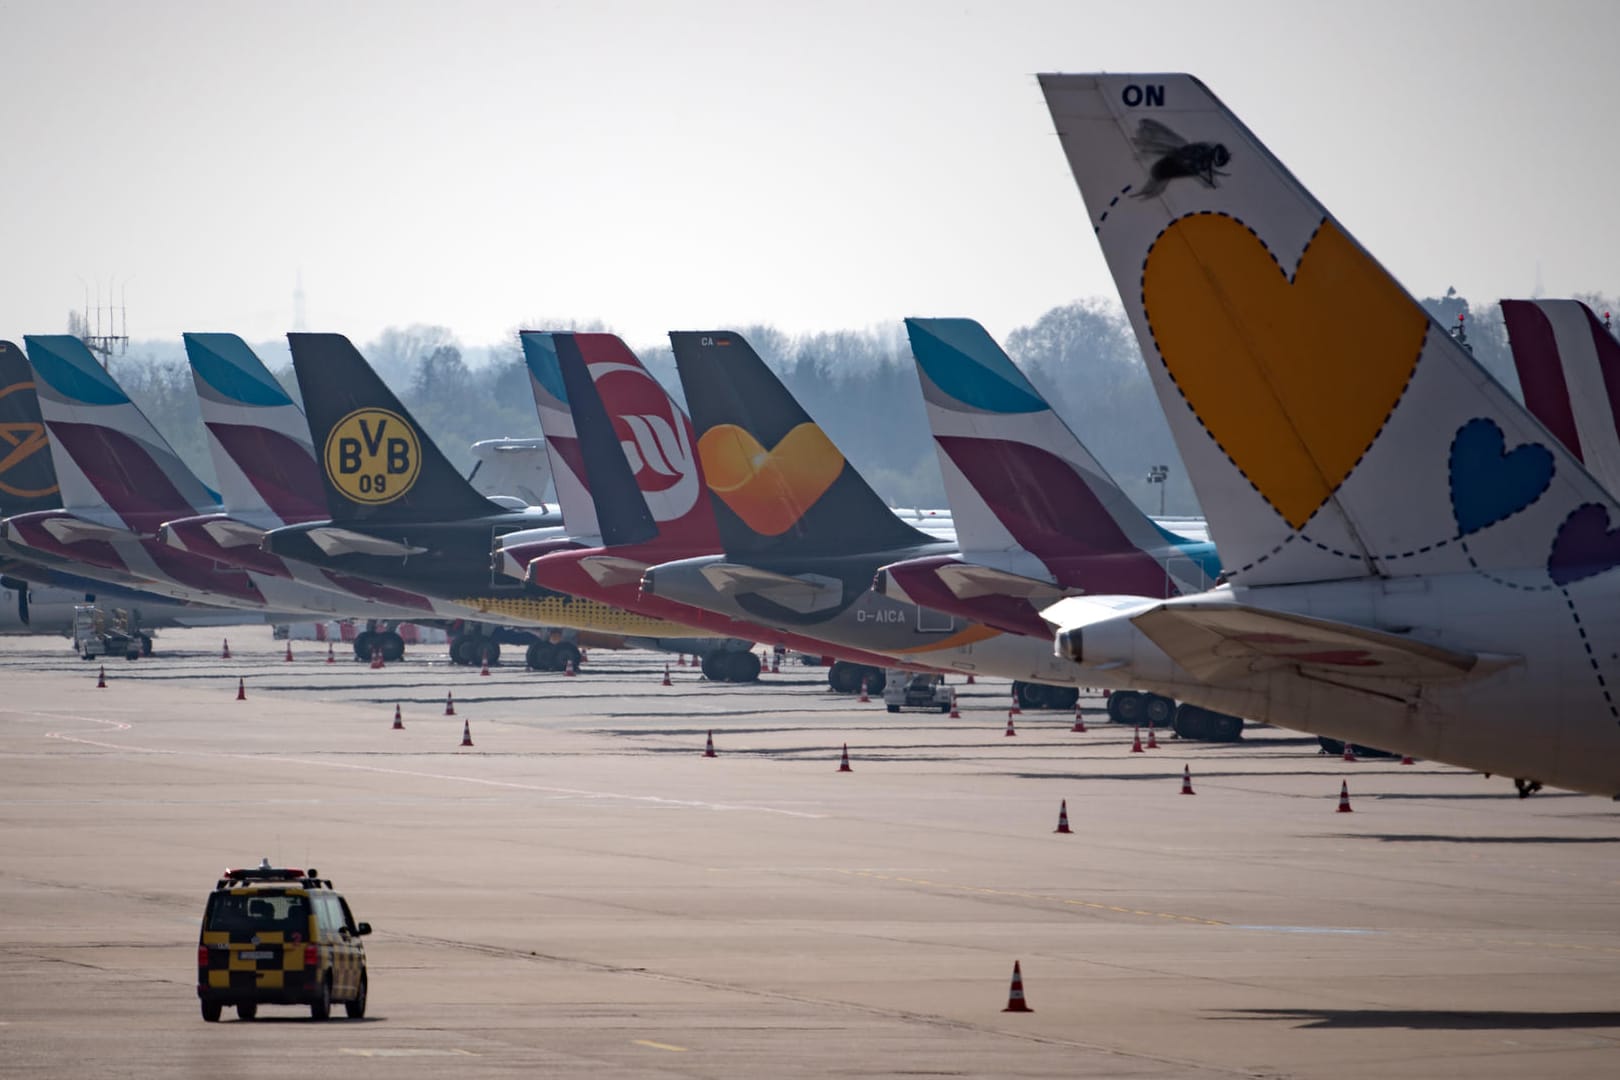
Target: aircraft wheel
point(1160, 711)
point(563, 654)
point(1125, 707)
point(1031, 695)
point(392, 645)
point(362, 645)
point(876, 680)
point(538, 657)
point(741, 667)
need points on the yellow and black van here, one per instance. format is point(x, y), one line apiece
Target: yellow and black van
point(279, 936)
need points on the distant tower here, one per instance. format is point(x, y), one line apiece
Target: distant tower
point(298, 302)
point(116, 339)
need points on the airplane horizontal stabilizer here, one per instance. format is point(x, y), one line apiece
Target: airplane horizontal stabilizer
point(336, 541)
point(805, 594)
point(610, 571)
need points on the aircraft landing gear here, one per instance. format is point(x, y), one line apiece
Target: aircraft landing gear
point(1526, 788)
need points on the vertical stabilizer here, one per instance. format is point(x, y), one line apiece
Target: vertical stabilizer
point(1569, 370)
point(27, 479)
point(562, 440)
point(257, 436)
point(1321, 447)
point(781, 489)
point(112, 464)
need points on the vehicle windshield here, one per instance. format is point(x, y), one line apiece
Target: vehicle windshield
point(257, 913)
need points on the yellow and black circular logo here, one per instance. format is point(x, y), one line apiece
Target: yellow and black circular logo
point(372, 456)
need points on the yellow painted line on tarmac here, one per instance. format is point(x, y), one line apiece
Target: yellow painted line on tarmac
point(660, 1046)
point(1067, 901)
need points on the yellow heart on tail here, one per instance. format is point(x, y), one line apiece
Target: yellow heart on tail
point(769, 489)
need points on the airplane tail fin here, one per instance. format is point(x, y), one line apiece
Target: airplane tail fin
point(568, 474)
point(1021, 484)
point(257, 436)
point(1321, 447)
point(110, 461)
point(780, 486)
point(27, 478)
point(377, 464)
point(518, 468)
point(1569, 370)
point(656, 462)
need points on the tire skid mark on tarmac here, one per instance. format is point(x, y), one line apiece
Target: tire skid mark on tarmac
point(903, 1015)
point(1041, 897)
point(512, 785)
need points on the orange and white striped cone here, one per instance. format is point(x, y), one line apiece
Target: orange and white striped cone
point(1344, 797)
point(1015, 710)
point(1079, 720)
point(1063, 818)
point(1407, 760)
point(449, 703)
point(331, 657)
point(708, 746)
point(288, 657)
point(776, 665)
point(1011, 731)
point(843, 761)
point(376, 659)
point(484, 670)
point(682, 661)
point(101, 678)
point(666, 676)
point(1349, 754)
point(225, 650)
point(970, 678)
point(399, 721)
point(956, 714)
point(863, 698)
point(1186, 781)
point(1136, 740)
point(568, 669)
point(1015, 994)
point(466, 733)
point(241, 690)
point(1153, 742)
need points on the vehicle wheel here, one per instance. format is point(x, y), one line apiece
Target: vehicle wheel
point(1160, 711)
point(741, 667)
point(1125, 707)
point(321, 1007)
point(876, 680)
point(1031, 695)
point(894, 708)
point(392, 645)
point(211, 1011)
point(944, 710)
point(146, 644)
point(563, 654)
point(1062, 697)
point(133, 654)
point(247, 1010)
point(357, 1008)
point(362, 645)
point(842, 677)
point(538, 656)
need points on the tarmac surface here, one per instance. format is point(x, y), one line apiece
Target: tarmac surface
point(582, 893)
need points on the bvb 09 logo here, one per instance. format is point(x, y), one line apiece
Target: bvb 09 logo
point(372, 456)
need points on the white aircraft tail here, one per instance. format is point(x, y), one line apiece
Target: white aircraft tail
point(1331, 429)
point(1569, 370)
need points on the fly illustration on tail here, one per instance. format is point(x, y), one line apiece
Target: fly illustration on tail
point(1175, 157)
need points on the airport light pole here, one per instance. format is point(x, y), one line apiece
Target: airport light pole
point(1157, 474)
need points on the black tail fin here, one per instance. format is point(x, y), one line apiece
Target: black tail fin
point(377, 463)
point(622, 515)
point(27, 477)
point(781, 488)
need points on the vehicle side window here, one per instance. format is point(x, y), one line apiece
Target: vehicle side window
point(330, 922)
point(348, 917)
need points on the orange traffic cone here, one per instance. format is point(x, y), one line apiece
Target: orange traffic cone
point(1186, 781)
point(399, 722)
point(241, 690)
point(956, 714)
point(1153, 742)
point(288, 657)
point(568, 669)
point(1136, 740)
point(376, 658)
point(1015, 710)
point(776, 665)
point(1010, 730)
point(1015, 995)
point(331, 658)
point(682, 661)
point(485, 669)
point(1407, 760)
point(1063, 818)
point(466, 733)
point(449, 703)
point(863, 696)
point(970, 678)
point(1079, 721)
point(843, 762)
point(225, 650)
point(708, 746)
point(1344, 797)
point(1349, 754)
point(582, 656)
point(101, 678)
point(666, 676)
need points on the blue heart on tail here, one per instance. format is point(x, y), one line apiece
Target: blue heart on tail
point(1488, 483)
point(1585, 546)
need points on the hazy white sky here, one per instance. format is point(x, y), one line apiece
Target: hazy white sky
point(679, 165)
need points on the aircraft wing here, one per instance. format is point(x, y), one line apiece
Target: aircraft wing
point(1218, 642)
point(805, 594)
point(335, 541)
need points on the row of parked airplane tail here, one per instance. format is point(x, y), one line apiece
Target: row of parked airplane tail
point(1398, 553)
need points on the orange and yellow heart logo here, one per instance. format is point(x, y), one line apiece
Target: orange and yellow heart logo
point(1293, 379)
point(769, 489)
